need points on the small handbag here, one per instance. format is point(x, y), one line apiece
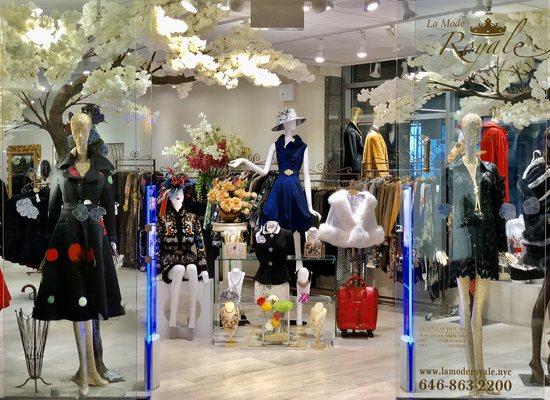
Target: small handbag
point(313, 248)
point(234, 246)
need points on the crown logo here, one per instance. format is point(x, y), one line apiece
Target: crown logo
point(488, 28)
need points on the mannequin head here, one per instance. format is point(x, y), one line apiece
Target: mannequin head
point(177, 197)
point(356, 113)
point(471, 127)
point(81, 124)
point(290, 126)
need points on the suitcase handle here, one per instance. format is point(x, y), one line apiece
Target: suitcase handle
point(353, 279)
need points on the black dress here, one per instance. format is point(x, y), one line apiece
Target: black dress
point(272, 250)
point(79, 281)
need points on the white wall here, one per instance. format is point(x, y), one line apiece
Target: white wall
point(247, 110)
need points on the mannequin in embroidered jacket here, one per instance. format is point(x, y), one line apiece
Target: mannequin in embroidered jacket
point(180, 252)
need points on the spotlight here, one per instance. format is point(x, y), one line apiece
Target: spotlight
point(479, 9)
point(375, 73)
point(189, 6)
point(224, 5)
point(236, 5)
point(307, 6)
point(86, 72)
point(371, 5)
point(319, 6)
point(320, 57)
point(407, 12)
point(330, 5)
point(362, 50)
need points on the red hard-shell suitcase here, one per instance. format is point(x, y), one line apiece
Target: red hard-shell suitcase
point(357, 306)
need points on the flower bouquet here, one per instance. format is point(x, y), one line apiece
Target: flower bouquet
point(208, 152)
point(276, 328)
point(232, 198)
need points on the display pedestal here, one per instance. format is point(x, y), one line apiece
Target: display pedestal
point(223, 227)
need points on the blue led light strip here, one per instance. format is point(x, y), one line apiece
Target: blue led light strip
point(151, 284)
point(408, 285)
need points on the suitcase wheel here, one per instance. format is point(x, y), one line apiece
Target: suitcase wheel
point(370, 334)
point(345, 333)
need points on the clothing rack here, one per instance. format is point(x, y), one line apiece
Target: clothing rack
point(135, 161)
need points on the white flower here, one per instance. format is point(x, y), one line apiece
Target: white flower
point(272, 298)
point(268, 327)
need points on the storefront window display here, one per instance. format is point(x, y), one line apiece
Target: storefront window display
point(474, 276)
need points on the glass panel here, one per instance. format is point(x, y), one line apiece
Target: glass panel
point(64, 214)
point(474, 286)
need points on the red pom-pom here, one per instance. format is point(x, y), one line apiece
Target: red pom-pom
point(52, 255)
point(260, 301)
point(75, 252)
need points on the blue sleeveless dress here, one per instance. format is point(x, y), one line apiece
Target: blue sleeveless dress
point(287, 202)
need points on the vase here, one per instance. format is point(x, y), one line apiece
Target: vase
point(275, 333)
point(228, 216)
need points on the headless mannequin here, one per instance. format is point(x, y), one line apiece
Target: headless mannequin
point(81, 125)
point(303, 286)
point(471, 318)
point(290, 132)
point(235, 281)
point(537, 320)
point(177, 273)
point(317, 319)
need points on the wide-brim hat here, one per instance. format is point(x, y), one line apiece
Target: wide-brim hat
point(286, 116)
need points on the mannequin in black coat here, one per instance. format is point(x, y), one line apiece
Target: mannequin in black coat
point(353, 143)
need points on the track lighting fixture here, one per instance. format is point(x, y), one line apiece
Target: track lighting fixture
point(479, 9)
point(408, 13)
point(236, 5)
point(319, 6)
point(390, 31)
point(362, 50)
point(224, 5)
point(371, 5)
point(189, 6)
point(307, 6)
point(330, 5)
point(320, 57)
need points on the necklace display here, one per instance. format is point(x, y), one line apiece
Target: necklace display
point(232, 293)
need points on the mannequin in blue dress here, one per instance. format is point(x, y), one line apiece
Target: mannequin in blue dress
point(288, 203)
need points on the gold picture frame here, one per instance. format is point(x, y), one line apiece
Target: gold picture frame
point(32, 150)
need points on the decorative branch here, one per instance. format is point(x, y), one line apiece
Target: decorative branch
point(171, 79)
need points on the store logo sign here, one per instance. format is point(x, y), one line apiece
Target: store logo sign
point(502, 42)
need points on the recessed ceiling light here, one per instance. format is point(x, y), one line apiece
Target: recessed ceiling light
point(371, 5)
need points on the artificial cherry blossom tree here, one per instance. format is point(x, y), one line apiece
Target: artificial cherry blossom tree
point(111, 54)
point(483, 72)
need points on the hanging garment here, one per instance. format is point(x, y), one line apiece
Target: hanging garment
point(477, 235)
point(351, 221)
point(287, 202)
point(272, 249)
point(5, 297)
point(494, 147)
point(535, 195)
point(177, 233)
point(29, 228)
point(353, 147)
point(79, 281)
point(375, 155)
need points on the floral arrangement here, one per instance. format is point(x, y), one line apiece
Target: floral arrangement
point(274, 309)
point(232, 198)
point(208, 152)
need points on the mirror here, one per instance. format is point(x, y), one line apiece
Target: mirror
point(22, 164)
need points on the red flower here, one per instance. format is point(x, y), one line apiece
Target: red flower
point(202, 162)
point(260, 301)
point(277, 315)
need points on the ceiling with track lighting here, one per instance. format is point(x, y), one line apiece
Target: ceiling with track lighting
point(345, 27)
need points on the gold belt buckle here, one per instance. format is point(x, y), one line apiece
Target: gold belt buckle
point(289, 172)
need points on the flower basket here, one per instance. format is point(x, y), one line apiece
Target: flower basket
point(275, 327)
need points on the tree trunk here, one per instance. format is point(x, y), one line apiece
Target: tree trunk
point(59, 138)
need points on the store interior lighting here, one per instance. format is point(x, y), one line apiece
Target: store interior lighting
point(320, 57)
point(408, 13)
point(189, 6)
point(362, 50)
point(330, 5)
point(224, 5)
point(319, 6)
point(371, 5)
point(307, 6)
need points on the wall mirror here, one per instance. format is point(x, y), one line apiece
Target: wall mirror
point(22, 164)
